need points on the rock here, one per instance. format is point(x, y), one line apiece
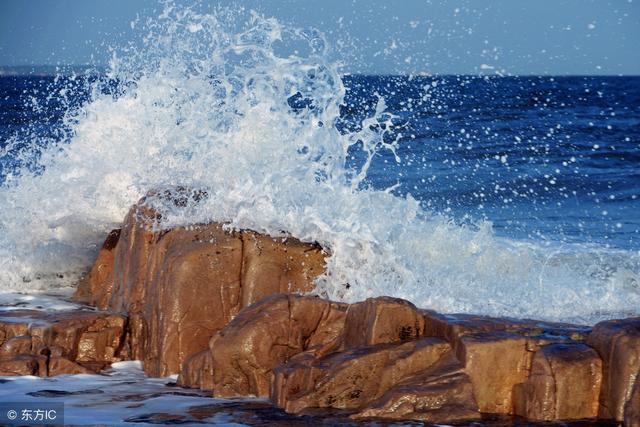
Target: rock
point(23, 364)
point(79, 335)
point(381, 320)
point(14, 346)
point(102, 340)
point(452, 327)
point(96, 287)
point(272, 266)
point(192, 292)
point(14, 323)
point(180, 286)
point(131, 255)
point(52, 343)
point(197, 371)
point(352, 378)
point(499, 348)
point(208, 303)
point(266, 334)
point(632, 408)
point(59, 365)
point(564, 384)
point(618, 343)
point(442, 394)
point(197, 287)
point(495, 363)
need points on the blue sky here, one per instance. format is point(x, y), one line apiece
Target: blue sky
point(372, 36)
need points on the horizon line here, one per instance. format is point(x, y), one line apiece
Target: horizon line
point(101, 68)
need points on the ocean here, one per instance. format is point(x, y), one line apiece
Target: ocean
point(505, 196)
point(542, 166)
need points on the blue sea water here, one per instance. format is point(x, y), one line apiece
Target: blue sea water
point(553, 158)
point(543, 158)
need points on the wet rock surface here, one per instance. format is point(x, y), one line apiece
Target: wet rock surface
point(267, 334)
point(564, 384)
point(618, 344)
point(442, 393)
point(180, 286)
point(376, 370)
point(34, 342)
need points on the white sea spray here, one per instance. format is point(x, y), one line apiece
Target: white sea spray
point(244, 108)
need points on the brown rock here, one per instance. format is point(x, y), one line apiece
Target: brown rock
point(181, 286)
point(618, 344)
point(452, 327)
point(197, 286)
point(495, 363)
point(60, 366)
point(277, 265)
point(127, 292)
point(194, 290)
point(84, 336)
point(96, 287)
point(14, 346)
point(235, 271)
point(197, 371)
point(91, 338)
point(632, 408)
point(564, 384)
point(14, 323)
point(139, 234)
point(442, 393)
point(102, 345)
point(381, 320)
point(266, 334)
point(352, 378)
point(23, 364)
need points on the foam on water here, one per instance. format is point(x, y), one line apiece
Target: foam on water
point(107, 399)
point(246, 110)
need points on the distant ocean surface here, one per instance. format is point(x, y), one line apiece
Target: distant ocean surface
point(541, 158)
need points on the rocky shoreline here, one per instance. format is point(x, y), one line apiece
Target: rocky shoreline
point(225, 311)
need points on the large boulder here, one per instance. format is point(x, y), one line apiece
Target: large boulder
point(564, 384)
point(495, 363)
point(440, 394)
point(96, 287)
point(351, 379)
point(498, 352)
point(193, 290)
point(277, 265)
point(264, 335)
point(182, 285)
point(381, 367)
point(381, 320)
point(618, 343)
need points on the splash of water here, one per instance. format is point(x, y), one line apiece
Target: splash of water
point(246, 109)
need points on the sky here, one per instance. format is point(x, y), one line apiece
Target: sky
point(368, 36)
